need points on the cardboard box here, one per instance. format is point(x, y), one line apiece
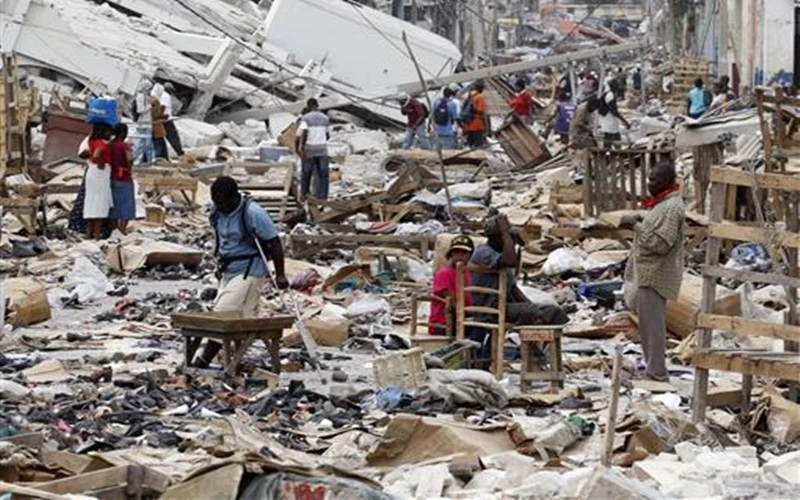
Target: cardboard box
point(28, 301)
point(682, 313)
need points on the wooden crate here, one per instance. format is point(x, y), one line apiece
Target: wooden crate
point(402, 369)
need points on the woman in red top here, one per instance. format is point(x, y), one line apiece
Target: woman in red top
point(97, 203)
point(444, 283)
point(124, 208)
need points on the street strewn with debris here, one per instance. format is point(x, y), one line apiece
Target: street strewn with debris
point(413, 249)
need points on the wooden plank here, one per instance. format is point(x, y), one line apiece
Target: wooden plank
point(748, 327)
point(700, 390)
point(767, 366)
point(781, 182)
point(88, 482)
point(769, 237)
point(751, 276)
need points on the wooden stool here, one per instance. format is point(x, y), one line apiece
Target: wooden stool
point(529, 372)
point(236, 334)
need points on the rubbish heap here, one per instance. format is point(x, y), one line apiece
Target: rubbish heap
point(95, 398)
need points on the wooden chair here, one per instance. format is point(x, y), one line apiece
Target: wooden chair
point(530, 371)
point(427, 342)
point(498, 328)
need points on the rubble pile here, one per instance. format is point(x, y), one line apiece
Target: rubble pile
point(96, 391)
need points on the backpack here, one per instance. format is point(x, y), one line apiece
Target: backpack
point(468, 110)
point(441, 113)
point(606, 107)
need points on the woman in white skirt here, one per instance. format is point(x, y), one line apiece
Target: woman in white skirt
point(98, 201)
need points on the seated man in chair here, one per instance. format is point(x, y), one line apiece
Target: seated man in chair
point(499, 254)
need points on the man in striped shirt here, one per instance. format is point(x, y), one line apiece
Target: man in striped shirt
point(313, 150)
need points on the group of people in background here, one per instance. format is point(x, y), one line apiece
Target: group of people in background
point(106, 200)
point(155, 125)
point(447, 116)
point(107, 194)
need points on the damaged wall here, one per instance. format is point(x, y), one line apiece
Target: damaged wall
point(372, 56)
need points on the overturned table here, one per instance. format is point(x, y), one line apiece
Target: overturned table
point(236, 334)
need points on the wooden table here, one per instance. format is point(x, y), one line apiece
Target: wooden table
point(235, 332)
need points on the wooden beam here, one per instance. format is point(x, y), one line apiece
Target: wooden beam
point(751, 276)
point(769, 237)
point(787, 368)
point(748, 327)
point(781, 182)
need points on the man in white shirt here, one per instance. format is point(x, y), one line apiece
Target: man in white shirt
point(169, 123)
point(610, 117)
point(313, 151)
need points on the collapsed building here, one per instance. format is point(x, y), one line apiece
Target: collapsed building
point(336, 389)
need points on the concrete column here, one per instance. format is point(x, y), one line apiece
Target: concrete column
point(221, 67)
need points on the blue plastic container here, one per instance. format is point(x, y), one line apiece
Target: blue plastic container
point(102, 110)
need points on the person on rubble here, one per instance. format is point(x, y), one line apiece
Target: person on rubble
point(158, 118)
point(697, 100)
point(562, 117)
point(610, 117)
point(655, 267)
point(173, 137)
point(122, 190)
point(499, 253)
point(636, 79)
point(445, 115)
point(313, 150)
point(474, 118)
point(581, 135)
point(143, 151)
point(444, 284)
point(521, 102)
point(416, 114)
point(246, 238)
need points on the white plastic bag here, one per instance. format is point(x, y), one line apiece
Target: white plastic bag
point(89, 282)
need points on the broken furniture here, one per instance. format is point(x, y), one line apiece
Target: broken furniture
point(782, 245)
point(616, 179)
point(497, 330)
point(236, 334)
point(160, 180)
point(276, 189)
point(304, 245)
point(25, 210)
point(427, 341)
point(18, 108)
point(533, 368)
point(122, 482)
point(520, 143)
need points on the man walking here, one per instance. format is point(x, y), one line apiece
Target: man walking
point(243, 231)
point(416, 127)
point(173, 137)
point(655, 266)
point(313, 151)
point(445, 114)
point(610, 117)
point(474, 120)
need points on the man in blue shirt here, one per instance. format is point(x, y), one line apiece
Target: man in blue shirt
point(241, 226)
point(696, 104)
point(444, 115)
